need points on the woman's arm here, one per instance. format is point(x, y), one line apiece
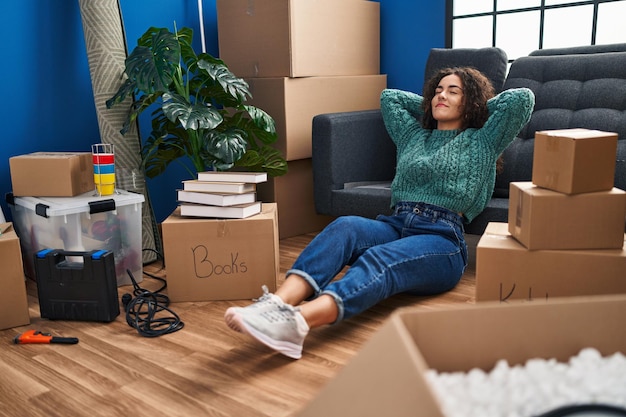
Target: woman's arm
point(401, 110)
point(509, 111)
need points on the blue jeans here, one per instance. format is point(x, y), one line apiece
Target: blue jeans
point(419, 249)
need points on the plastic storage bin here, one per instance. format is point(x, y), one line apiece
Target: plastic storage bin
point(82, 223)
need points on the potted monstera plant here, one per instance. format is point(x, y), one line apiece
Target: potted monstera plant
point(198, 109)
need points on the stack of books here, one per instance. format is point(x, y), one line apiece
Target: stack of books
point(221, 194)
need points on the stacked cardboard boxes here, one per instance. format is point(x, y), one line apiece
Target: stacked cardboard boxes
point(301, 59)
point(565, 231)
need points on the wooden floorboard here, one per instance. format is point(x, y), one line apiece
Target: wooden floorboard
point(205, 369)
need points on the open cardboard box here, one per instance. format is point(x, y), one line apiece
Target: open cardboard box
point(387, 377)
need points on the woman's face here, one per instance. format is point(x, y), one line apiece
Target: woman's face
point(447, 104)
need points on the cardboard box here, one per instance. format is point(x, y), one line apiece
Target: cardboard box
point(387, 377)
point(82, 223)
point(544, 219)
point(221, 259)
point(51, 174)
point(293, 102)
point(506, 270)
point(299, 38)
point(293, 193)
point(13, 300)
point(574, 161)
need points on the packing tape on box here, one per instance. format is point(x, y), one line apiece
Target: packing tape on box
point(221, 228)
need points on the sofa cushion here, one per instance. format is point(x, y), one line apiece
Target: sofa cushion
point(587, 49)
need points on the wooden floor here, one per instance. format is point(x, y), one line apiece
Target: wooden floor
point(205, 369)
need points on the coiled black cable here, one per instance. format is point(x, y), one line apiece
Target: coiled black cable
point(586, 410)
point(145, 309)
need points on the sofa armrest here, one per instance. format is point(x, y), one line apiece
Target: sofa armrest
point(349, 147)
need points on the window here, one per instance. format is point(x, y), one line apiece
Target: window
point(521, 26)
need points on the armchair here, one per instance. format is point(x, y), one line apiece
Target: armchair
point(354, 158)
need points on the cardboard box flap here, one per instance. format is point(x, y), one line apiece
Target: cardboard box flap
point(53, 155)
point(577, 133)
point(477, 336)
point(389, 359)
point(5, 228)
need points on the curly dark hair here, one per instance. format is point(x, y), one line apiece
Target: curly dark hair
point(477, 89)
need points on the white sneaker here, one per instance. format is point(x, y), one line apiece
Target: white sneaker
point(267, 301)
point(282, 329)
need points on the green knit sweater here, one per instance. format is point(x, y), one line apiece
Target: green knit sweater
point(451, 168)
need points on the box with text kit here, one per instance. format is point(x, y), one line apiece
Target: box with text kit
point(299, 38)
point(506, 270)
point(13, 300)
point(221, 259)
point(82, 223)
point(388, 375)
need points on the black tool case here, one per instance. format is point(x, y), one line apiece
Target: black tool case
point(78, 286)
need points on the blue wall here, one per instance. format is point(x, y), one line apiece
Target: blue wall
point(48, 100)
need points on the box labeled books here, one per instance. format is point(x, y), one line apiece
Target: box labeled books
point(221, 259)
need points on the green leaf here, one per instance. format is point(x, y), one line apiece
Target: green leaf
point(190, 116)
point(187, 53)
point(226, 147)
point(266, 159)
point(236, 87)
point(275, 165)
point(136, 108)
point(157, 153)
point(153, 64)
point(263, 122)
point(126, 89)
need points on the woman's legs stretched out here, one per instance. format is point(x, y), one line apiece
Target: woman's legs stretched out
point(420, 251)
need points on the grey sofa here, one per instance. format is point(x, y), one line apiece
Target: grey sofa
point(581, 87)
